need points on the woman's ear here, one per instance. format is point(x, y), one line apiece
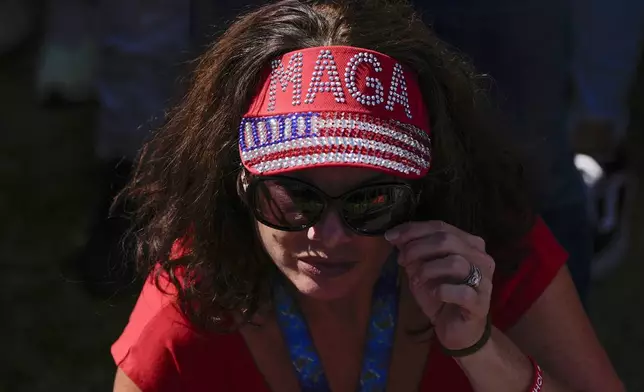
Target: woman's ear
point(242, 184)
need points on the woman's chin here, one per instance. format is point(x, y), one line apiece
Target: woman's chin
point(322, 289)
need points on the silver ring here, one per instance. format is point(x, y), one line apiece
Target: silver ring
point(474, 278)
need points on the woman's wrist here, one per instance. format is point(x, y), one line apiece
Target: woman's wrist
point(479, 344)
point(498, 365)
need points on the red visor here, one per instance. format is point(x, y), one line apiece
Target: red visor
point(337, 106)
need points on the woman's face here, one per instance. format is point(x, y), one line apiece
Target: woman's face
point(328, 260)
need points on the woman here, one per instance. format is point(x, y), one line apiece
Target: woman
point(324, 244)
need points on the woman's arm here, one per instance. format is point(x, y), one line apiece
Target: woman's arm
point(442, 262)
point(557, 333)
point(122, 383)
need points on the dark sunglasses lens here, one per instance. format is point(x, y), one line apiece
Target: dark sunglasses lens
point(286, 204)
point(374, 210)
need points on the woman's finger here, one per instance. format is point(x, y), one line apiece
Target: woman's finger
point(433, 246)
point(428, 278)
point(410, 231)
point(463, 296)
point(453, 268)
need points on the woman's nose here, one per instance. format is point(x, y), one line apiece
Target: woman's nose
point(330, 230)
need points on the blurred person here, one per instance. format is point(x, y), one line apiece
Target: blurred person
point(143, 47)
point(335, 194)
point(66, 71)
point(524, 47)
point(129, 54)
point(607, 45)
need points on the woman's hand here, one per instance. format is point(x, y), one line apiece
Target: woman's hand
point(438, 258)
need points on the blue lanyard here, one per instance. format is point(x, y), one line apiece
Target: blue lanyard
point(380, 336)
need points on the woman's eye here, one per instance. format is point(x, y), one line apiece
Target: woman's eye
point(367, 203)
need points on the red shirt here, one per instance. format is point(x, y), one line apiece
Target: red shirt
point(160, 351)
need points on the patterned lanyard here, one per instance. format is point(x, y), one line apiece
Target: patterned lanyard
point(380, 336)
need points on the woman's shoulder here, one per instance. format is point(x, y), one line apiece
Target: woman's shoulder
point(541, 259)
point(160, 350)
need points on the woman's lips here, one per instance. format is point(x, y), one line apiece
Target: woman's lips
point(325, 269)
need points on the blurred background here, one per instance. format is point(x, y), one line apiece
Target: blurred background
point(83, 82)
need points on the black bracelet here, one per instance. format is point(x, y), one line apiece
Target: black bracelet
point(473, 348)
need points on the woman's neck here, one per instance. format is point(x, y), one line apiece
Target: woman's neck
point(353, 309)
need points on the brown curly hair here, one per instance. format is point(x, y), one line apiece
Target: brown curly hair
point(185, 182)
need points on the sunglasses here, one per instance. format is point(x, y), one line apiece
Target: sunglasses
point(289, 204)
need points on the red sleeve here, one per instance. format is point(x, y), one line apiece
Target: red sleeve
point(160, 351)
point(144, 349)
point(512, 296)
